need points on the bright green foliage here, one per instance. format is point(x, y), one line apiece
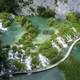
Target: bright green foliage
point(73, 20)
point(53, 36)
point(66, 31)
point(28, 37)
point(51, 21)
point(47, 50)
point(27, 25)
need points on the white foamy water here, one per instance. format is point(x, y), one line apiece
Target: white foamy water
point(28, 62)
point(62, 42)
point(1, 27)
point(43, 60)
point(55, 45)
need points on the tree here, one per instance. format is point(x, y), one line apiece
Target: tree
point(71, 17)
point(8, 5)
point(45, 12)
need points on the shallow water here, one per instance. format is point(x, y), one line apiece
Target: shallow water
point(13, 33)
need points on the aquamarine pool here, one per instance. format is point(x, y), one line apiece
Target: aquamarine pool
point(12, 35)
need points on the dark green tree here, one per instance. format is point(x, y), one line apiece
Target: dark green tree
point(8, 5)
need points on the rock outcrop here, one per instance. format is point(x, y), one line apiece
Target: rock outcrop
point(60, 7)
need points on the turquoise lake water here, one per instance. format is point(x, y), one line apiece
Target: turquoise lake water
point(12, 35)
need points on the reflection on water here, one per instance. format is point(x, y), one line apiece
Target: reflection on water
point(53, 74)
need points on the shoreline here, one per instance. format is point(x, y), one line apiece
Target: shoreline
point(50, 67)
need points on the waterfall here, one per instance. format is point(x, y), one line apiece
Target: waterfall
point(10, 55)
point(43, 60)
point(1, 27)
point(28, 62)
point(55, 45)
point(62, 41)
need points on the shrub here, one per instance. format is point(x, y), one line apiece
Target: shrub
point(21, 19)
point(5, 19)
point(47, 50)
point(20, 66)
point(71, 17)
point(51, 21)
point(45, 12)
